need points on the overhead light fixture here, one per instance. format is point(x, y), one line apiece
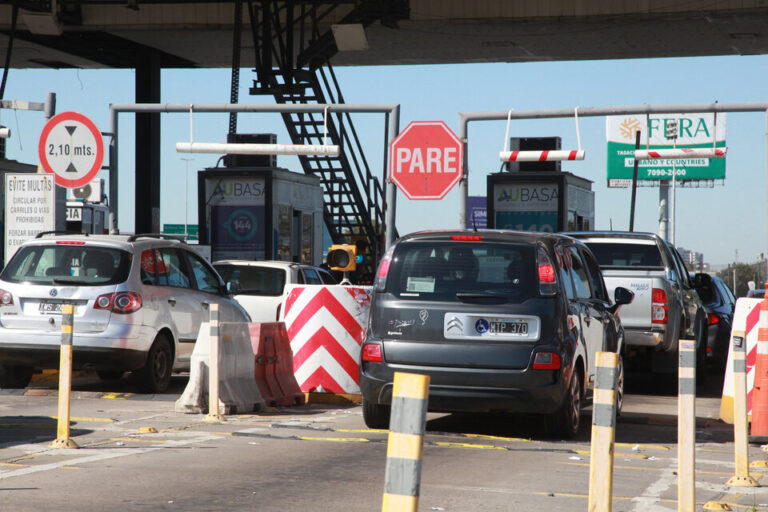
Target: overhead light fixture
point(42, 23)
point(350, 37)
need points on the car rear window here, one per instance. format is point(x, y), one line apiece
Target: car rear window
point(254, 280)
point(619, 255)
point(64, 263)
point(438, 270)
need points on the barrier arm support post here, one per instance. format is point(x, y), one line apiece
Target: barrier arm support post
point(65, 379)
point(406, 440)
point(213, 415)
point(742, 477)
point(686, 427)
point(603, 433)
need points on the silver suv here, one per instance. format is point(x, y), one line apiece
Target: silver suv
point(139, 301)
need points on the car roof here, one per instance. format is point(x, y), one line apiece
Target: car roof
point(491, 235)
point(125, 241)
point(612, 234)
point(265, 263)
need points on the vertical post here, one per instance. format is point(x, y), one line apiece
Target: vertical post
point(686, 427)
point(603, 433)
point(634, 186)
point(394, 128)
point(213, 368)
point(65, 379)
point(740, 424)
point(406, 438)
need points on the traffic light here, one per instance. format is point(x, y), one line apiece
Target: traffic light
point(342, 258)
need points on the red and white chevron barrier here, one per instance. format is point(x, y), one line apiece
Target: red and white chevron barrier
point(745, 320)
point(541, 156)
point(652, 154)
point(326, 326)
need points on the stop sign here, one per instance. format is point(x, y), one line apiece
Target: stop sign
point(426, 160)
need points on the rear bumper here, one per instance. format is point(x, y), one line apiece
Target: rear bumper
point(643, 338)
point(471, 389)
point(120, 347)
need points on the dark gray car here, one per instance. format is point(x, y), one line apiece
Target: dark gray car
point(500, 321)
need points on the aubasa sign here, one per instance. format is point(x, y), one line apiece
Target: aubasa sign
point(695, 131)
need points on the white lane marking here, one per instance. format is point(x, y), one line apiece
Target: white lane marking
point(648, 501)
point(104, 454)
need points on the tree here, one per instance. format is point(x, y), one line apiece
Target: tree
point(745, 272)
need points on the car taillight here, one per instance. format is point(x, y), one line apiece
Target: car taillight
point(121, 302)
point(547, 280)
point(6, 299)
point(658, 306)
point(712, 318)
point(68, 242)
point(546, 361)
point(372, 353)
point(380, 283)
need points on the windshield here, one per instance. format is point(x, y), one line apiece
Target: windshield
point(626, 255)
point(80, 264)
point(254, 280)
point(454, 271)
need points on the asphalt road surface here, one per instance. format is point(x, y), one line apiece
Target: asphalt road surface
point(136, 453)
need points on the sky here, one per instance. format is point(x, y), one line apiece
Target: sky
point(725, 223)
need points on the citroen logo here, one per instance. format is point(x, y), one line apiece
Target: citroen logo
point(454, 323)
point(53, 292)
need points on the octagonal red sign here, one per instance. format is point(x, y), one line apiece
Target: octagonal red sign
point(426, 160)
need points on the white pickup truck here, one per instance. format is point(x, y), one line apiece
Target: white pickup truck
point(666, 306)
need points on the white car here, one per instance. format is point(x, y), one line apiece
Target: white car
point(262, 284)
point(139, 301)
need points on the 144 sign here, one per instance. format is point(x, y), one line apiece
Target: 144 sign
point(72, 149)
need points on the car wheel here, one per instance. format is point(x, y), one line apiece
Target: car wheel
point(565, 422)
point(15, 376)
point(376, 415)
point(155, 375)
point(110, 374)
point(701, 350)
point(619, 384)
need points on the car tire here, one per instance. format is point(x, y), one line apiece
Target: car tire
point(15, 377)
point(701, 349)
point(376, 415)
point(155, 375)
point(110, 374)
point(566, 421)
point(620, 376)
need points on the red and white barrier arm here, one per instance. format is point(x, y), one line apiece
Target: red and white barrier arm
point(541, 156)
point(234, 148)
point(652, 154)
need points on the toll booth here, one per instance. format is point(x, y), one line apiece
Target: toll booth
point(545, 201)
point(87, 211)
point(260, 213)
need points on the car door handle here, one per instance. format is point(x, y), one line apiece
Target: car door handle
point(172, 301)
point(205, 305)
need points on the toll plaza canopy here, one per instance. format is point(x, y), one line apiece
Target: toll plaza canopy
point(189, 34)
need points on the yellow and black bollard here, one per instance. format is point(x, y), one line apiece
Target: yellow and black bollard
point(406, 440)
point(686, 427)
point(213, 368)
point(65, 379)
point(603, 433)
point(742, 478)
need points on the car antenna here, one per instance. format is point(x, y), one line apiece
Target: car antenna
point(474, 222)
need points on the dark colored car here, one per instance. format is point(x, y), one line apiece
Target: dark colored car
point(501, 321)
point(719, 304)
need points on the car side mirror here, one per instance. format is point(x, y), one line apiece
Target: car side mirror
point(622, 296)
point(233, 287)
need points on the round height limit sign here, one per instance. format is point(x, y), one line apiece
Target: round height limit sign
point(72, 149)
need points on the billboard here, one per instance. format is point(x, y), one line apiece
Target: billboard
point(695, 131)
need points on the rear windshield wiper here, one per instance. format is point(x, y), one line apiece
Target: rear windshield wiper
point(70, 281)
point(485, 297)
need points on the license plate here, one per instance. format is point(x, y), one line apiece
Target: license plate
point(508, 327)
point(50, 307)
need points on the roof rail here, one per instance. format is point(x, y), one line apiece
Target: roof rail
point(133, 238)
point(59, 232)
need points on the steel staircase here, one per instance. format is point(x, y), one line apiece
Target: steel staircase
point(302, 74)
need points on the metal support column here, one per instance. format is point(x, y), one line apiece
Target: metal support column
point(147, 180)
